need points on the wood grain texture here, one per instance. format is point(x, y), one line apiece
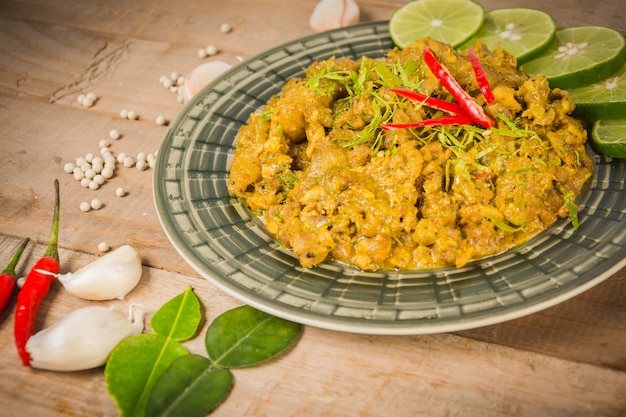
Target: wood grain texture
point(329, 372)
point(568, 360)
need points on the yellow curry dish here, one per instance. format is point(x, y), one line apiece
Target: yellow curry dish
point(380, 164)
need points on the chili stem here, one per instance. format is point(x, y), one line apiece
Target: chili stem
point(10, 269)
point(7, 277)
point(52, 249)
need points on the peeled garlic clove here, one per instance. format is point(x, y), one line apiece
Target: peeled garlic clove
point(332, 14)
point(83, 339)
point(111, 276)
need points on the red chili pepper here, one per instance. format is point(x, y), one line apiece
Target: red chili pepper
point(433, 102)
point(7, 277)
point(473, 110)
point(482, 175)
point(36, 287)
point(481, 77)
point(459, 119)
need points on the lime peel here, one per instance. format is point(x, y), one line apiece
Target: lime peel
point(524, 33)
point(605, 99)
point(580, 56)
point(608, 137)
point(450, 21)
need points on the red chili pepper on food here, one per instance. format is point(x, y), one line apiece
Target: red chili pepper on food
point(36, 287)
point(481, 77)
point(460, 119)
point(482, 175)
point(7, 277)
point(429, 101)
point(473, 110)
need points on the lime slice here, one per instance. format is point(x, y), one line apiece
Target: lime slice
point(449, 21)
point(602, 100)
point(609, 137)
point(524, 33)
point(579, 56)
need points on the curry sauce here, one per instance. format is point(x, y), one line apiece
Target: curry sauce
point(329, 183)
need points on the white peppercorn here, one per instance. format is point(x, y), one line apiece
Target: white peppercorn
point(95, 204)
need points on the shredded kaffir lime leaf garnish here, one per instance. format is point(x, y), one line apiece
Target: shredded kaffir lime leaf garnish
point(504, 226)
point(369, 83)
point(288, 177)
point(403, 161)
point(266, 115)
point(368, 87)
point(568, 200)
point(513, 131)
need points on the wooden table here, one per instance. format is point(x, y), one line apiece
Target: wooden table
point(568, 360)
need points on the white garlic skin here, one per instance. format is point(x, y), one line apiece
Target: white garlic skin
point(109, 277)
point(83, 339)
point(332, 14)
point(202, 75)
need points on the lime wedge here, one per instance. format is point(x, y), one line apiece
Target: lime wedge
point(449, 21)
point(579, 56)
point(524, 33)
point(602, 100)
point(609, 137)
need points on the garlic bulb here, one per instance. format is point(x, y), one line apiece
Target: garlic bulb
point(83, 339)
point(332, 14)
point(111, 276)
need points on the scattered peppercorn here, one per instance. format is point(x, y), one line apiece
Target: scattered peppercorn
point(96, 204)
point(114, 134)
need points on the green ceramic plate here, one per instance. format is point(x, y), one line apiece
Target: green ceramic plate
point(219, 237)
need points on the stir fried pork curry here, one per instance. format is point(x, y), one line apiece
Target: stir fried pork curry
point(330, 183)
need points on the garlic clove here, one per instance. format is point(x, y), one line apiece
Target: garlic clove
point(83, 339)
point(200, 76)
point(109, 277)
point(332, 14)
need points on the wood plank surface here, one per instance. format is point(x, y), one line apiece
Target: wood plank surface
point(331, 372)
point(568, 360)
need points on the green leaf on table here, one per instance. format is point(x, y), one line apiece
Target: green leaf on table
point(245, 336)
point(137, 363)
point(134, 367)
point(191, 386)
point(179, 318)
